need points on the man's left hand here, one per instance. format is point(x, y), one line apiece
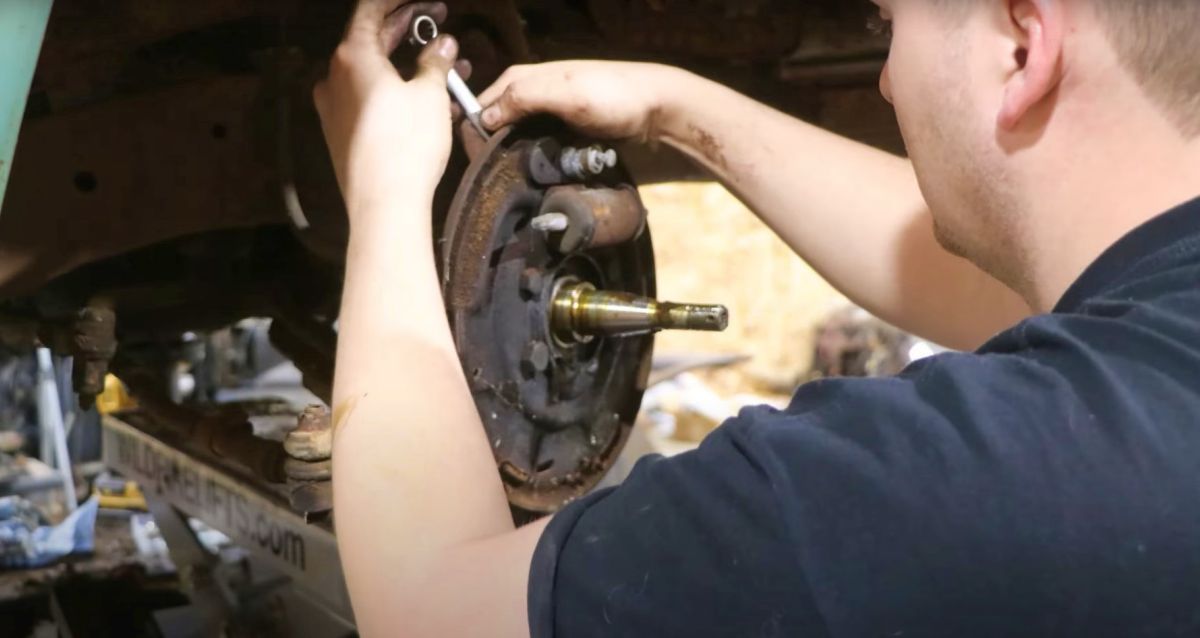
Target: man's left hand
point(389, 138)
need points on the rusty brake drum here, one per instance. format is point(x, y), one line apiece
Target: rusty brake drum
point(557, 411)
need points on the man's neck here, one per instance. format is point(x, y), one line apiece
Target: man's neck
point(1094, 202)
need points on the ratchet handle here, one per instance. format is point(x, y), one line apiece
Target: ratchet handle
point(424, 31)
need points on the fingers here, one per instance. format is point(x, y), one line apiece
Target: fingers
point(473, 143)
point(398, 26)
point(464, 69)
point(493, 92)
point(537, 93)
point(367, 20)
point(383, 24)
point(436, 60)
point(368, 12)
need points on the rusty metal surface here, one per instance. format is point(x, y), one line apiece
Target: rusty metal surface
point(93, 346)
point(599, 217)
point(223, 438)
point(312, 440)
point(557, 415)
point(743, 30)
point(94, 51)
point(233, 441)
point(309, 466)
point(115, 556)
point(104, 180)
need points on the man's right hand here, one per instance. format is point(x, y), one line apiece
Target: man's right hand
point(822, 193)
point(611, 100)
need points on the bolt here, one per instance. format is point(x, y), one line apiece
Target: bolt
point(313, 418)
point(535, 359)
point(587, 162)
point(550, 223)
point(599, 159)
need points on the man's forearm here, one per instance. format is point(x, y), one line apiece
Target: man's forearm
point(404, 420)
point(855, 213)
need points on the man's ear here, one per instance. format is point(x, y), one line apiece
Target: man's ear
point(1039, 32)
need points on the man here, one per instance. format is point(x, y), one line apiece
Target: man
point(1048, 484)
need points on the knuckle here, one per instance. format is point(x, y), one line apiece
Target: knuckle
point(507, 78)
point(581, 108)
point(517, 96)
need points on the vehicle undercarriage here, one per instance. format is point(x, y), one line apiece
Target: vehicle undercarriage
point(171, 180)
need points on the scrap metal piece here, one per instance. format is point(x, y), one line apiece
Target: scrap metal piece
point(579, 312)
point(94, 343)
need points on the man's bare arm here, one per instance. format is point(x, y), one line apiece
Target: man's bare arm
point(423, 526)
point(855, 213)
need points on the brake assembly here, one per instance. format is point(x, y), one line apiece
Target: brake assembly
point(548, 275)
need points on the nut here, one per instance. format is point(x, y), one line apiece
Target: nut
point(298, 470)
point(312, 440)
point(311, 498)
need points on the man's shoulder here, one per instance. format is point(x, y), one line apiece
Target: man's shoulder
point(1087, 389)
point(1122, 348)
point(1006, 463)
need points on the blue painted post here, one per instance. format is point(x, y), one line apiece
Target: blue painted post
point(22, 27)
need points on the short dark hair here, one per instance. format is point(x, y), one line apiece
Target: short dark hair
point(1158, 41)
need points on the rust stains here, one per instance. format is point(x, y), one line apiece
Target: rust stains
point(709, 147)
point(344, 410)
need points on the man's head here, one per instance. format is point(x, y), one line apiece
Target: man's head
point(1002, 104)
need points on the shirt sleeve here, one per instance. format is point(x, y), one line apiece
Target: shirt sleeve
point(688, 546)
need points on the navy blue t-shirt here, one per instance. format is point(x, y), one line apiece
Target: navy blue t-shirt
point(1047, 485)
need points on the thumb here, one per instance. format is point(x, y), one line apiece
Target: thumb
point(437, 59)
